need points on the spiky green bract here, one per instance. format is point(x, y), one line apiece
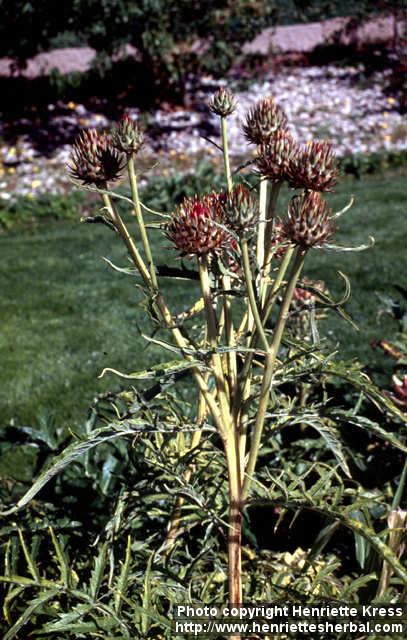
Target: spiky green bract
point(314, 168)
point(263, 120)
point(309, 221)
point(197, 225)
point(94, 160)
point(276, 156)
point(222, 103)
point(241, 211)
point(127, 137)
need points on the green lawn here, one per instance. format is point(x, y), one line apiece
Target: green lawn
point(65, 314)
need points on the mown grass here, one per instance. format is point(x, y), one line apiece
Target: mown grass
point(65, 314)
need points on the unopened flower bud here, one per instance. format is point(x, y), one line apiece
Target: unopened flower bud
point(241, 210)
point(263, 120)
point(223, 103)
point(127, 137)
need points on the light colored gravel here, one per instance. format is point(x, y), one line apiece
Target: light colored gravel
point(321, 102)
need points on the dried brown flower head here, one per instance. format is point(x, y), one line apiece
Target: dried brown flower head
point(314, 167)
point(93, 160)
point(275, 158)
point(309, 221)
point(263, 120)
point(197, 226)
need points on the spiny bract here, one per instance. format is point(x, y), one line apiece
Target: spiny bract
point(93, 160)
point(197, 226)
point(309, 220)
point(263, 120)
point(275, 158)
point(314, 167)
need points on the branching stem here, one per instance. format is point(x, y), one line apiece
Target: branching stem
point(212, 332)
point(251, 293)
point(139, 215)
point(269, 370)
point(180, 341)
point(225, 280)
point(268, 237)
point(127, 239)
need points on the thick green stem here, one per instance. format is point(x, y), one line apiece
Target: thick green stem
point(269, 370)
point(235, 527)
point(139, 215)
point(264, 245)
point(264, 317)
point(271, 298)
point(249, 322)
point(229, 328)
point(230, 336)
point(271, 211)
point(127, 239)
point(230, 444)
point(251, 294)
point(225, 146)
point(262, 221)
point(212, 332)
point(268, 237)
point(244, 378)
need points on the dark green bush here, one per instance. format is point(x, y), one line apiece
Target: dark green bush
point(173, 37)
point(28, 211)
point(163, 31)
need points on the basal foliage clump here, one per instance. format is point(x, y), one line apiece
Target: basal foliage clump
point(193, 448)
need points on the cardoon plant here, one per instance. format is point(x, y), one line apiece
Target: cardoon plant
point(204, 228)
point(248, 263)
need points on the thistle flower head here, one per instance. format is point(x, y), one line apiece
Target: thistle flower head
point(241, 211)
point(309, 220)
point(314, 167)
point(197, 226)
point(276, 156)
point(127, 136)
point(222, 103)
point(93, 160)
point(263, 120)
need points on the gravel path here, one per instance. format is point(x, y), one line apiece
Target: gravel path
point(322, 102)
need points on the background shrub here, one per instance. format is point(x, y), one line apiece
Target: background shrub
point(172, 37)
